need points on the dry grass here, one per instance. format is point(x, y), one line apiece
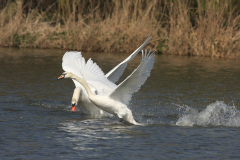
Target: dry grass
point(215, 32)
point(210, 29)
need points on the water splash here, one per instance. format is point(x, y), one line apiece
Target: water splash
point(216, 114)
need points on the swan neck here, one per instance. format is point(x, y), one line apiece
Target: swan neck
point(76, 95)
point(84, 83)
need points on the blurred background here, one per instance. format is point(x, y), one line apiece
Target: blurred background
point(181, 27)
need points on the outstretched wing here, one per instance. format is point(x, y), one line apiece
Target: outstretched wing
point(95, 77)
point(132, 83)
point(89, 71)
point(69, 64)
point(117, 71)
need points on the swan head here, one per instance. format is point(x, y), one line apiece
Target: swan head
point(65, 75)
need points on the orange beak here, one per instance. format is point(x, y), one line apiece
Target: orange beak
point(73, 108)
point(61, 77)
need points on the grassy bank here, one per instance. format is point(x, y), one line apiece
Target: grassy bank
point(181, 27)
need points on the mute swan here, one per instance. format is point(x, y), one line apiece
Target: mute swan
point(116, 102)
point(80, 96)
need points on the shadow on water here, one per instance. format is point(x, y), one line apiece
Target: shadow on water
point(189, 105)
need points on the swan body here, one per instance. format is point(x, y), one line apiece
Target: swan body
point(116, 101)
point(74, 62)
point(114, 107)
point(104, 102)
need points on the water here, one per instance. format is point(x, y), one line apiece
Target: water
point(190, 107)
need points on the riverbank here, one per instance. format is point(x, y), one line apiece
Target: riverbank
point(195, 28)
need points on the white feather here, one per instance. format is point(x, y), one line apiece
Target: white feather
point(90, 72)
point(123, 92)
point(117, 71)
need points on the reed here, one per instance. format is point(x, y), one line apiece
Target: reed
point(181, 27)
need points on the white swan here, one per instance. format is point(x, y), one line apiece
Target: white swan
point(79, 96)
point(116, 102)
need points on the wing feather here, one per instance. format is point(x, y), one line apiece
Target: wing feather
point(89, 71)
point(69, 64)
point(132, 83)
point(117, 71)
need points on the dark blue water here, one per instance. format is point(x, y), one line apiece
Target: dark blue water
point(190, 107)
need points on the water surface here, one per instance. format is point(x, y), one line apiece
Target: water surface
point(189, 105)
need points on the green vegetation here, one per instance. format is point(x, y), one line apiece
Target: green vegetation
point(181, 27)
